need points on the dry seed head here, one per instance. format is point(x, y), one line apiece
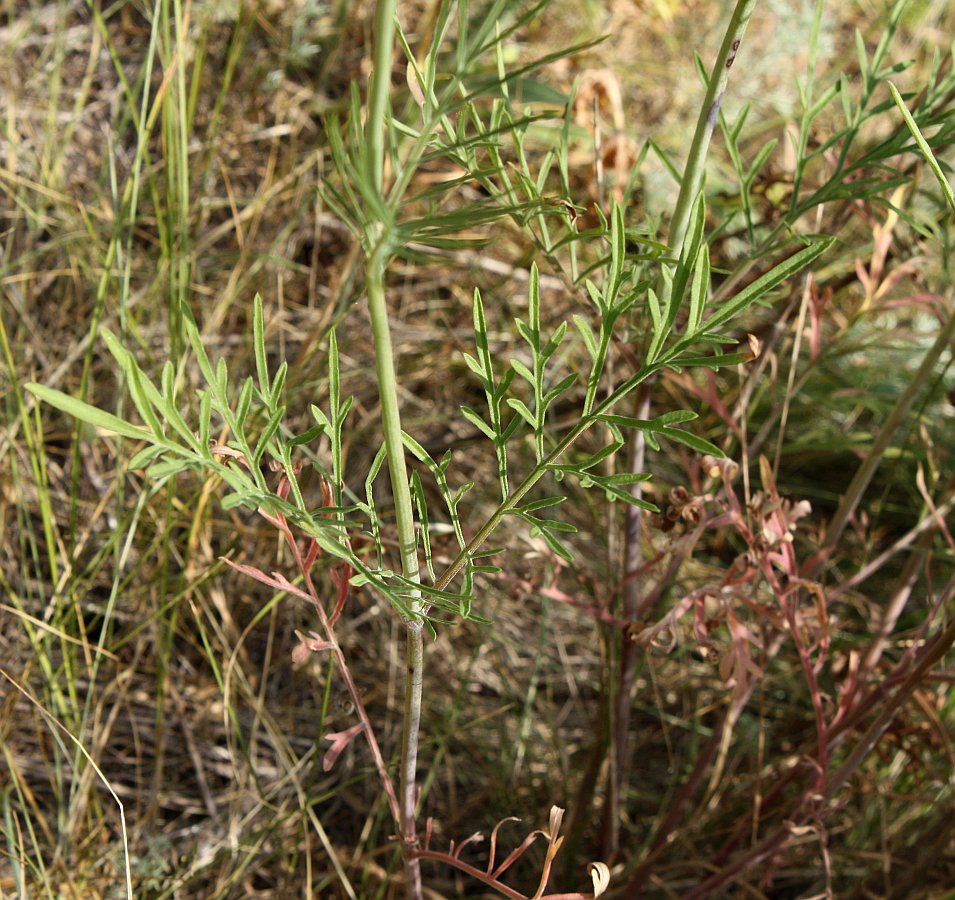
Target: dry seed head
point(720, 466)
point(679, 495)
point(693, 511)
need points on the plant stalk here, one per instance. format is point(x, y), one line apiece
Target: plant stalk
point(709, 115)
point(378, 254)
point(690, 185)
point(621, 704)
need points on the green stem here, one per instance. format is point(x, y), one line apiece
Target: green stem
point(709, 115)
point(390, 415)
point(378, 92)
point(377, 245)
point(401, 494)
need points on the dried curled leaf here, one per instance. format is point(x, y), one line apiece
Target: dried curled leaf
point(340, 740)
point(556, 817)
point(600, 873)
point(308, 645)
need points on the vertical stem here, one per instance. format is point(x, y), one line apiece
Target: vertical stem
point(709, 115)
point(377, 245)
point(618, 770)
point(378, 92)
point(390, 415)
point(690, 186)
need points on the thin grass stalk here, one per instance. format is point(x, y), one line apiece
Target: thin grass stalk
point(377, 261)
point(873, 458)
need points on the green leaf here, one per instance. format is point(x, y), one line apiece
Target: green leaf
point(270, 430)
point(713, 362)
point(205, 420)
point(556, 546)
point(432, 593)
point(520, 407)
point(523, 371)
point(547, 524)
point(417, 493)
point(319, 415)
point(675, 416)
point(583, 326)
point(597, 297)
point(459, 493)
point(656, 318)
point(482, 552)
point(146, 456)
point(559, 388)
point(221, 382)
point(699, 289)
point(138, 392)
point(162, 470)
point(438, 471)
point(231, 501)
point(128, 364)
point(624, 478)
point(542, 503)
point(477, 369)
point(306, 437)
point(923, 146)
point(534, 307)
point(244, 403)
point(760, 159)
point(618, 252)
point(478, 422)
point(614, 493)
point(626, 421)
point(278, 385)
point(555, 341)
point(334, 374)
point(174, 418)
point(765, 283)
point(529, 334)
point(258, 343)
point(692, 441)
point(88, 413)
point(195, 339)
point(590, 461)
point(417, 449)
